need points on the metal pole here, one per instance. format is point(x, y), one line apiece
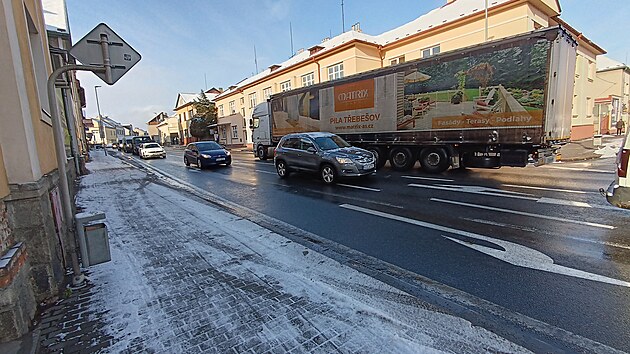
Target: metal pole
point(343, 19)
point(60, 150)
point(486, 27)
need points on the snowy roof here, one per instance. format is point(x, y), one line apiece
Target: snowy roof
point(445, 14)
point(55, 16)
point(605, 63)
point(185, 98)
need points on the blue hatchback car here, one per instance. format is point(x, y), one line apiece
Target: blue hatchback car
point(206, 153)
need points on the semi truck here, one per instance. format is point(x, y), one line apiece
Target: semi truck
point(505, 102)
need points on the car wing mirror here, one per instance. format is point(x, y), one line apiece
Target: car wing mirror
point(312, 150)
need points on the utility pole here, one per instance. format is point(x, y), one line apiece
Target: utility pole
point(343, 18)
point(255, 59)
point(291, 33)
point(486, 26)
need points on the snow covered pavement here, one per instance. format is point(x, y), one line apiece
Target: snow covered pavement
point(187, 277)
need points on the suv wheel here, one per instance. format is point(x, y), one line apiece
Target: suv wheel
point(186, 162)
point(329, 174)
point(199, 164)
point(281, 168)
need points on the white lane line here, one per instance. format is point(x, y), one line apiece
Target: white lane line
point(475, 190)
point(548, 189)
point(501, 193)
point(359, 187)
point(512, 253)
point(580, 169)
point(430, 178)
point(269, 172)
point(539, 216)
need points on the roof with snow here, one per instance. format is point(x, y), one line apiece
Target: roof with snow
point(184, 99)
point(445, 14)
point(605, 63)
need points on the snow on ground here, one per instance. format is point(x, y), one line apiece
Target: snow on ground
point(175, 260)
point(609, 149)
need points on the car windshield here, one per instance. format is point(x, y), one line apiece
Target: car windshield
point(331, 142)
point(210, 145)
point(146, 146)
point(142, 139)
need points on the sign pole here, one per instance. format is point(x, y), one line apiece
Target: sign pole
point(60, 150)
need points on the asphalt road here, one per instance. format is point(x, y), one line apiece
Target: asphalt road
point(540, 241)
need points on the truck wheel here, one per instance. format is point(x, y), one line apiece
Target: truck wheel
point(401, 159)
point(380, 156)
point(281, 168)
point(329, 174)
point(434, 160)
point(262, 153)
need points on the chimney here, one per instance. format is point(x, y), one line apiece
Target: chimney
point(274, 67)
point(314, 49)
point(357, 26)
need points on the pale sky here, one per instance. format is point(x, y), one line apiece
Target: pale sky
point(186, 44)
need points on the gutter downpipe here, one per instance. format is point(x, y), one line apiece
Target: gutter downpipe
point(60, 152)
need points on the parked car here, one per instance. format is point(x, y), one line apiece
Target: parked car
point(148, 150)
point(206, 153)
point(618, 193)
point(323, 153)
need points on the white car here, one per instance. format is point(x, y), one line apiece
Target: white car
point(148, 150)
point(618, 192)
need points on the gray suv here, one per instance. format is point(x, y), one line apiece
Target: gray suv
point(323, 153)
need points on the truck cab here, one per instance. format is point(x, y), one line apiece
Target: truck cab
point(260, 123)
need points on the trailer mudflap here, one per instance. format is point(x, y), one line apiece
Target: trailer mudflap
point(545, 156)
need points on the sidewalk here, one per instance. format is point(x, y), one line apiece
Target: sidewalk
point(188, 277)
point(585, 150)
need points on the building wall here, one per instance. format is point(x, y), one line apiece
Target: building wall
point(4, 181)
point(583, 95)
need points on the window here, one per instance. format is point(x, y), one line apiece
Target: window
point(242, 101)
point(267, 93)
point(232, 107)
point(335, 72)
point(285, 86)
point(190, 114)
point(431, 51)
point(308, 79)
point(252, 100)
point(396, 61)
point(220, 110)
point(234, 132)
point(243, 111)
point(305, 144)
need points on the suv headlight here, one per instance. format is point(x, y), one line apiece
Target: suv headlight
point(206, 156)
point(227, 153)
point(344, 160)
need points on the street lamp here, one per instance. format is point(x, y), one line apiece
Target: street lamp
point(101, 129)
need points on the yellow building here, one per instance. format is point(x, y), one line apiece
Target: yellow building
point(456, 24)
point(612, 95)
point(29, 193)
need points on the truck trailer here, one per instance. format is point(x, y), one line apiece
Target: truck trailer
point(501, 103)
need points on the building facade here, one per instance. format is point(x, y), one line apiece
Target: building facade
point(612, 95)
point(33, 242)
point(456, 24)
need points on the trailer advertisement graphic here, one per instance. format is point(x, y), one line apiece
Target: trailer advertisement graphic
point(495, 88)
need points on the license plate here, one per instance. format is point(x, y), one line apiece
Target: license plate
point(220, 158)
point(368, 166)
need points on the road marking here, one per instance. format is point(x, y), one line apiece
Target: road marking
point(359, 187)
point(548, 189)
point(269, 172)
point(501, 193)
point(512, 253)
point(430, 178)
point(476, 190)
point(540, 216)
point(580, 169)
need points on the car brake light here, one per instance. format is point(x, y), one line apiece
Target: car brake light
point(622, 168)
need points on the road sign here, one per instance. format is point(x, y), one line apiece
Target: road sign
point(103, 47)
